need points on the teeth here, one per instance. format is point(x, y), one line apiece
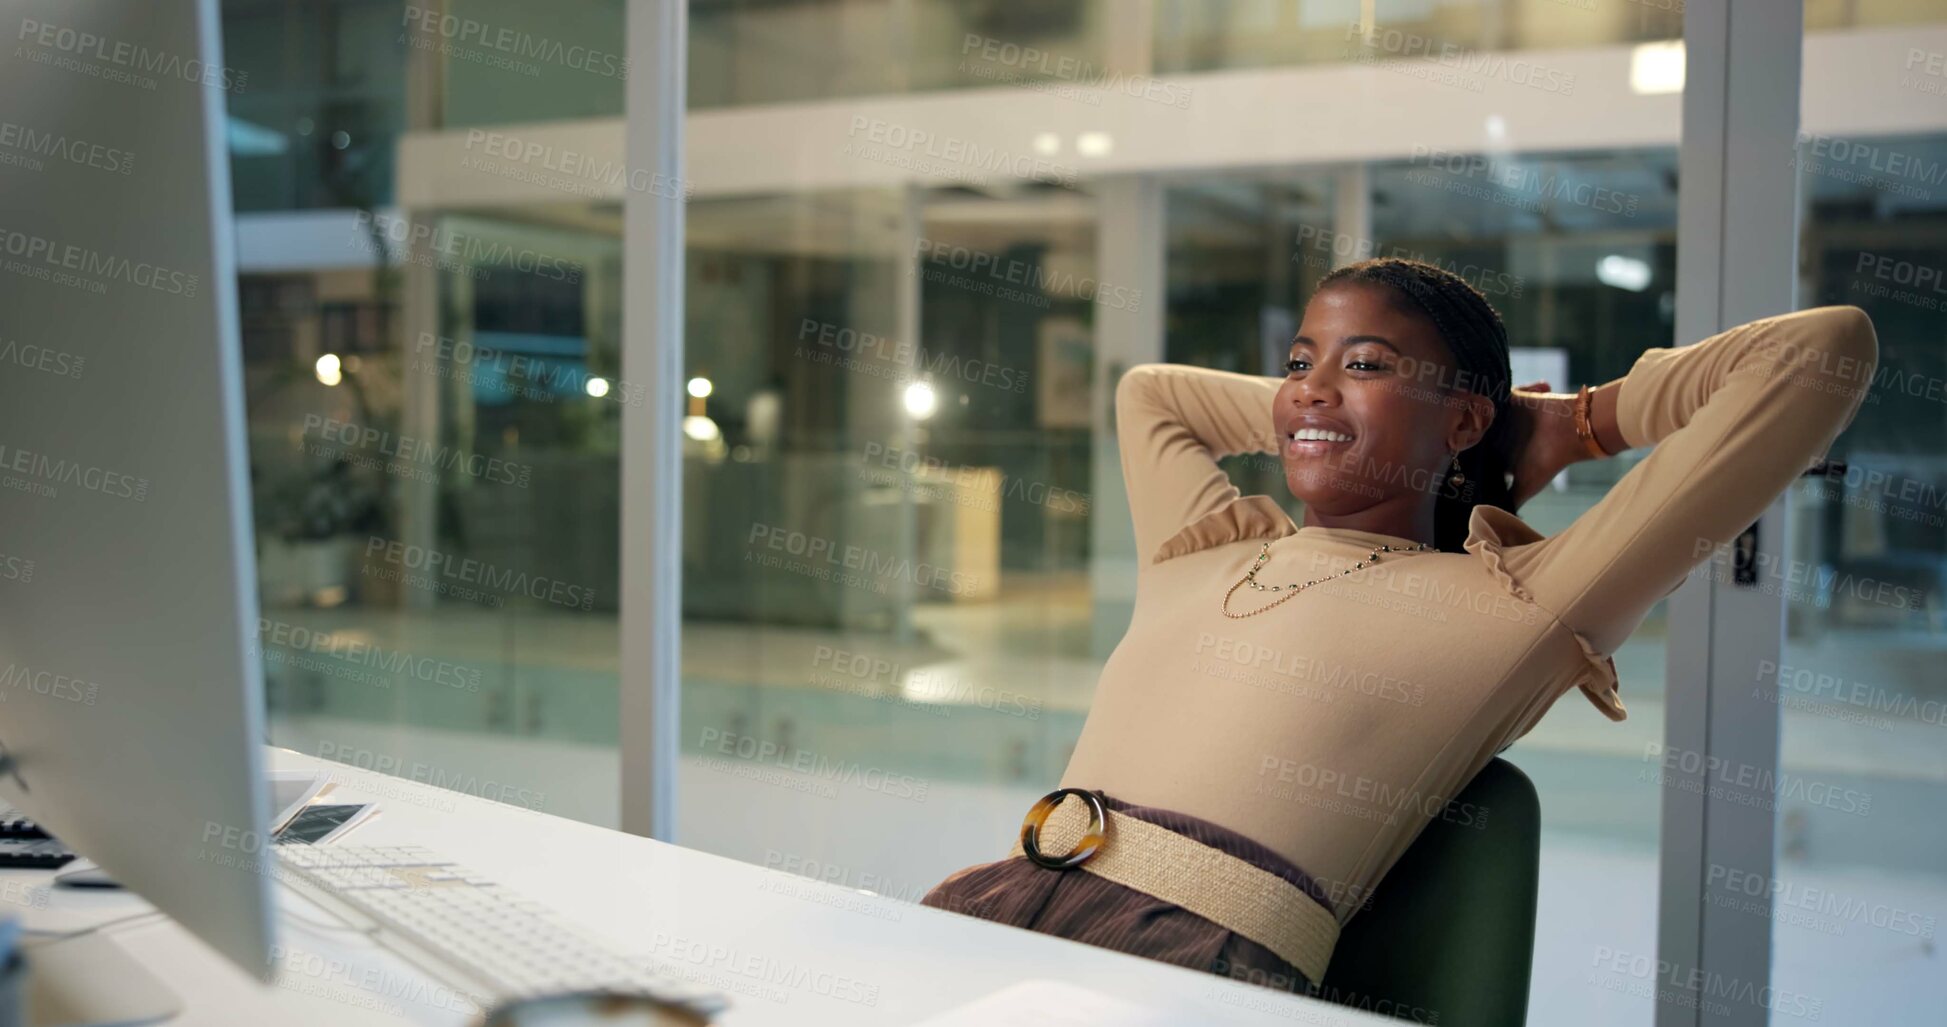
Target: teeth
point(1319, 435)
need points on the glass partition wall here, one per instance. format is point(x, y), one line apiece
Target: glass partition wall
point(1859, 888)
point(886, 594)
point(433, 404)
point(436, 510)
point(895, 479)
point(907, 300)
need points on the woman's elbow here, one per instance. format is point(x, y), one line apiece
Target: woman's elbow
point(1827, 354)
point(1845, 334)
point(1138, 384)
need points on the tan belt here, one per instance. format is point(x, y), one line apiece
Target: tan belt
point(1215, 885)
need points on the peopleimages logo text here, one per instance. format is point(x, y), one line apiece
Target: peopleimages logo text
point(957, 152)
point(466, 570)
point(426, 773)
point(1517, 69)
point(546, 377)
point(95, 264)
point(1738, 782)
point(467, 249)
point(89, 46)
point(1029, 274)
point(351, 649)
point(575, 167)
point(515, 42)
point(21, 677)
point(1035, 61)
point(42, 358)
point(41, 469)
point(29, 141)
point(421, 451)
point(903, 355)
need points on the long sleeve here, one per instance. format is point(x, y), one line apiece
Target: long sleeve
point(1172, 424)
point(1733, 419)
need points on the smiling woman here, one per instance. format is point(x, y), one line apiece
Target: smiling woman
point(1235, 830)
point(1399, 369)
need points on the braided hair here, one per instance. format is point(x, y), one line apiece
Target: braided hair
point(1473, 332)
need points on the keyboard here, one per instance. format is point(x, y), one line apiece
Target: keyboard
point(24, 846)
point(41, 853)
point(13, 825)
point(471, 933)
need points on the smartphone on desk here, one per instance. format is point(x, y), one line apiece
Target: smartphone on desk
point(310, 825)
point(320, 821)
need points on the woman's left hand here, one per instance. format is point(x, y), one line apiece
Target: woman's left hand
point(1545, 421)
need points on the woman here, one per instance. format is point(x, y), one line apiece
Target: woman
point(1292, 704)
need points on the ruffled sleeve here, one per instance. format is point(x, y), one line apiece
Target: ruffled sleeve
point(1733, 420)
point(1246, 517)
point(1173, 424)
point(1495, 535)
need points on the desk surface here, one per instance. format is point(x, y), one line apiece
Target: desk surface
point(871, 960)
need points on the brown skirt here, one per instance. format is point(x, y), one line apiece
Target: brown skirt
point(1080, 906)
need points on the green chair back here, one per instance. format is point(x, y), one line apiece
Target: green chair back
point(1449, 936)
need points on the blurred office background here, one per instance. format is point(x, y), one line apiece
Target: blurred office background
point(905, 553)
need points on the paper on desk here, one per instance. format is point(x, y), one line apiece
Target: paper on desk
point(1049, 1004)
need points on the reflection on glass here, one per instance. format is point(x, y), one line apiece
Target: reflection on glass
point(1196, 36)
point(1860, 888)
point(885, 591)
point(436, 511)
point(322, 103)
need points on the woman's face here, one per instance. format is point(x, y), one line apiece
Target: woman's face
point(1368, 413)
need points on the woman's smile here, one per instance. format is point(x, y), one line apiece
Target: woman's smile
point(1312, 435)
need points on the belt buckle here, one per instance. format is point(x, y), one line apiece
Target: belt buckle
point(1037, 818)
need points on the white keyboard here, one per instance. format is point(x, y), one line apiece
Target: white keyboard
point(468, 931)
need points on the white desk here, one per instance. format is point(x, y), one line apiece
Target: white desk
point(666, 903)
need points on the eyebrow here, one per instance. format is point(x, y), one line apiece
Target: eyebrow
point(1348, 341)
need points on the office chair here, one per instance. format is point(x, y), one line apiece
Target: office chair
point(1451, 930)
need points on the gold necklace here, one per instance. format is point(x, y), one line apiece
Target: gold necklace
point(1292, 590)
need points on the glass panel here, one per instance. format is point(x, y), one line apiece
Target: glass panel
point(743, 53)
point(1860, 887)
point(511, 62)
point(434, 403)
point(316, 120)
point(885, 583)
point(436, 510)
point(1192, 35)
point(1832, 14)
point(896, 598)
point(895, 608)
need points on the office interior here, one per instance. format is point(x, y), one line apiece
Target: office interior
point(904, 553)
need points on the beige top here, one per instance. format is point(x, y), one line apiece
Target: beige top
point(1336, 726)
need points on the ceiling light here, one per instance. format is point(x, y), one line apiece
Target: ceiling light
point(1623, 272)
point(920, 400)
point(1656, 68)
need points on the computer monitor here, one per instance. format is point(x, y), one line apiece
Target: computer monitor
point(131, 714)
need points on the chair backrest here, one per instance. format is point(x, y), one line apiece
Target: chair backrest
point(1449, 935)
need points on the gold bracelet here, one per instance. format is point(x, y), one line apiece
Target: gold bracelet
point(1584, 426)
